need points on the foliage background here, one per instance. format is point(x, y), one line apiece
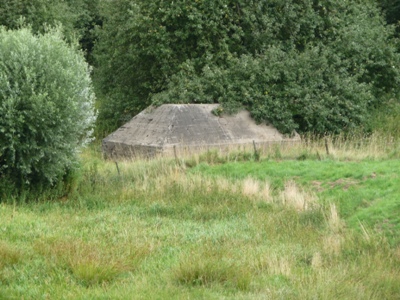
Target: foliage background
point(77, 17)
point(317, 66)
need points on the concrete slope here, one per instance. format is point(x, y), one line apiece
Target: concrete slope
point(157, 130)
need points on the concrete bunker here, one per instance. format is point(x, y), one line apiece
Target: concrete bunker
point(187, 128)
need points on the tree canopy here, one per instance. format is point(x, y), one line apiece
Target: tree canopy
point(77, 17)
point(309, 65)
point(306, 65)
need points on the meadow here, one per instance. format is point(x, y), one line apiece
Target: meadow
point(318, 220)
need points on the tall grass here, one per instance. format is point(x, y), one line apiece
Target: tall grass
point(357, 145)
point(92, 263)
point(209, 226)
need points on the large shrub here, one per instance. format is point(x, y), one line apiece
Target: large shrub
point(46, 106)
point(290, 89)
point(304, 64)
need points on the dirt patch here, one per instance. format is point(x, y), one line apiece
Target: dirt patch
point(318, 185)
point(345, 183)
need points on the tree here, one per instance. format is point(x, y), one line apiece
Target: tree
point(315, 65)
point(38, 14)
point(78, 18)
point(392, 10)
point(46, 106)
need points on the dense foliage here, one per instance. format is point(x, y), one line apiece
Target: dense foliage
point(46, 106)
point(307, 65)
point(391, 9)
point(37, 13)
point(78, 18)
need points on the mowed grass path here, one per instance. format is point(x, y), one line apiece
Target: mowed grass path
point(229, 231)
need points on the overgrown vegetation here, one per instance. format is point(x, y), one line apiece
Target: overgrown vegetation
point(316, 220)
point(321, 66)
point(289, 226)
point(318, 66)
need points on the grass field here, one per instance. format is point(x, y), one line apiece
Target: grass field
point(297, 224)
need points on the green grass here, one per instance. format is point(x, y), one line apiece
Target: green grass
point(366, 192)
point(274, 229)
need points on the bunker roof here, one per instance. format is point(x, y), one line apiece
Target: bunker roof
point(190, 127)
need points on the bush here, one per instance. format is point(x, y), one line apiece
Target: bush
point(46, 107)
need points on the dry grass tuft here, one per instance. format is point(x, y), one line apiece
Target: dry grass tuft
point(280, 265)
point(250, 187)
point(266, 193)
point(297, 198)
point(275, 264)
point(256, 191)
point(317, 261)
point(179, 179)
point(332, 244)
point(335, 224)
point(224, 185)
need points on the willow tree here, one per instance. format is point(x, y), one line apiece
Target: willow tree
point(46, 107)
